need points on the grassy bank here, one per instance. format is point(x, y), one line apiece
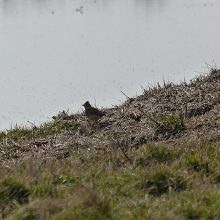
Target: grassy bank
point(154, 157)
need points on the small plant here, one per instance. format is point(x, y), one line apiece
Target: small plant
point(12, 190)
point(65, 179)
point(154, 153)
point(162, 182)
point(195, 163)
point(198, 205)
point(87, 205)
point(44, 188)
point(170, 125)
point(161, 153)
point(39, 209)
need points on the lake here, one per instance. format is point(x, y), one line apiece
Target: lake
point(56, 54)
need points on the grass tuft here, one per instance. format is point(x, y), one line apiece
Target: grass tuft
point(12, 190)
point(194, 162)
point(170, 125)
point(163, 181)
point(52, 128)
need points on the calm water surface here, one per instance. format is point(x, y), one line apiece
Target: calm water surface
point(56, 54)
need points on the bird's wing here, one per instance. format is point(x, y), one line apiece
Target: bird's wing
point(97, 112)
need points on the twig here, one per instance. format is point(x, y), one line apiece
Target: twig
point(33, 125)
point(122, 150)
point(153, 120)
point(130, 99)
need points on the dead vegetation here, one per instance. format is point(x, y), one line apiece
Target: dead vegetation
point(153, 157)
point(164, 113)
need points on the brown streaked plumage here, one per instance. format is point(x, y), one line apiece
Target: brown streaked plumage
point(93, 114)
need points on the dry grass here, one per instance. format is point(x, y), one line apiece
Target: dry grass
point(153, 157)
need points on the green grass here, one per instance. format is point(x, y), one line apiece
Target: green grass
point(170, 125)
point(159, 182)
point(163, 181)
point(52, 128)
point(12, 190)
point(71, 169)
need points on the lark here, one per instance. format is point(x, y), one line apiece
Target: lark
point(93, 114)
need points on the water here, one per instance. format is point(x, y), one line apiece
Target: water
point(56, 54)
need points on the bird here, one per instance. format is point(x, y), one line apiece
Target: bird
point(92, 113)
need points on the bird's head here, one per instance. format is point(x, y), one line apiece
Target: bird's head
point(86, 104)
